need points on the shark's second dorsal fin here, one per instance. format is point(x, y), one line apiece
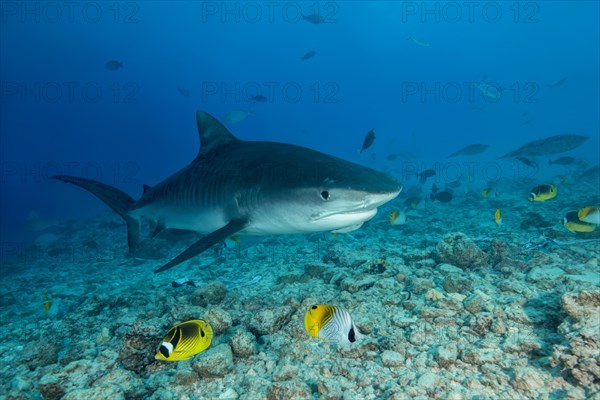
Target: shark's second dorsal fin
point(212, 133)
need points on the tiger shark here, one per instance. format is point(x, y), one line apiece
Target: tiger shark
point(250, 187)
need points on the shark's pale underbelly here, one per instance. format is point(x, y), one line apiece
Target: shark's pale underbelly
point(202, 221)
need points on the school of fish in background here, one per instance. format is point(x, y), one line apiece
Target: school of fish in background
point(583, 220)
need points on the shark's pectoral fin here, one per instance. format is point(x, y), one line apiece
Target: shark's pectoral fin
point(160, 226)
point(207, 241)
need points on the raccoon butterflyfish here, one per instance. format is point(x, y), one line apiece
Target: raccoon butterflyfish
point(487, 191)
point(543, 193)
point(185, 340)
point(330, 323)
point(573, 224)
point(412, 202)
point(498, 217)
point(47, 302)
point(590, 214)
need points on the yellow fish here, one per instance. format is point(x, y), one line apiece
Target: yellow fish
point(485, 192)
point(236, 239)
point(330, 323)
point(185, 340)
point(498, 217)
point(543, 193)
point(397, 218)
point(47, 303)
point(412, 202)
point(590, 214)
point(573, 224)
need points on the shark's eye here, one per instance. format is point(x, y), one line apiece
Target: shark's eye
point(325, 195)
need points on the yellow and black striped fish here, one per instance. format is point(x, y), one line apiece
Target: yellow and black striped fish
point(543, 193)
point(573, 224)
point(185, 340)
point(330, 323)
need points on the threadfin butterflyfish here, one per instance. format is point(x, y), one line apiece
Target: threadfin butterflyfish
point(498, 217)
point(589, 214)
point(397, 218)
point(331, 324)
point(573, 224)
point(543, 193)
point(185, 340)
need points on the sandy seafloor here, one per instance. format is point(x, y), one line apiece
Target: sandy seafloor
point(450, 305)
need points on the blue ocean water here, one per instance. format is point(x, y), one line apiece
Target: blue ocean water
point(64, 112)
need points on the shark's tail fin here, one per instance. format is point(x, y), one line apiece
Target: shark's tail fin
point(119, 201)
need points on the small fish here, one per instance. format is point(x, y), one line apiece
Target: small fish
point(487, 191)
point(419, 42)
point(369, 138)
point(183, 282)
point(393, 156)
point(492, 92)
point(236, 116)
point(558, 83)
point(428, 173)
point(308, 55)
point(183, 91)
point(470, 150)
point(590, 214)
point(113, 65)
point(47, 302)
point(330, 323)
point(566, 160)
point(185, 340)
point(543, 193)
point(444, 196)
point(259, 98)
point(397, 218)
point(236, 239)
point(314, 18)
point(498, 217)
point(412, 202)
point(573, 224)
point(526, 161)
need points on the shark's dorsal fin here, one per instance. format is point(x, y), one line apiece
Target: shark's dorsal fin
point(212, 133)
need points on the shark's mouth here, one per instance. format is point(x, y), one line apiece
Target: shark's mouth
point(351, 216)
point(362, 212)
